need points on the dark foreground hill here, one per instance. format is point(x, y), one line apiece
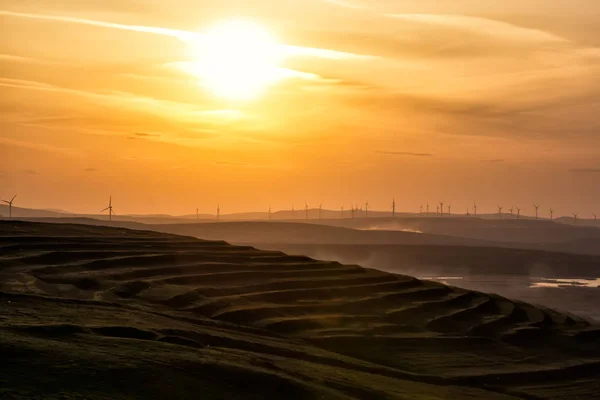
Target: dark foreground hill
point(109, 313)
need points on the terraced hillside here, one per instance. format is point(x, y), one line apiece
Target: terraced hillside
point(100, 312)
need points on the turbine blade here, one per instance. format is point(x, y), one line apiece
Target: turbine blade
point(104, 209)
point(6, 201)
point(13, 198)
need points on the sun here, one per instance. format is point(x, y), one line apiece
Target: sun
point(237, 59)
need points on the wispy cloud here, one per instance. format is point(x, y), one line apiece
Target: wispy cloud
point(295, 51)
point(186, 36)
point(144, 134)
point(404, 153)
point(494, 161)
point(27, 60)
point(171, 109)
point(183, 35)
point(586, 170)
point(38, 146)
point(482, 26)
point(346, 4)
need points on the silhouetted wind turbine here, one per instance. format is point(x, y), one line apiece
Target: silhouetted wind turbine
point(10, 203)
point(342, 212)
point(421, 209)
point(518, 213)
point(428, 208)
point(353, 210)
point(474, 208)
point(450, 210)
point(367, 209)
point(441, 208)
point(511, 211)
point(269, 212)
point(109, 208)
point(320, 209)
point(393, 207)
point(500, 208)
point(468, 214)
point(197, 213)
point(218, 212)
point(575, 215)
point(551, 214)
point(437, 210)
point(536, 210)
point(595, 217)
point(306, 210)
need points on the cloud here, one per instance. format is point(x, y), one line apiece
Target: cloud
point(404, 153)
point(586, 170)
point(183, 35)
point(10, 57)
point(143, 134)
point(295, 51)
point(346, 4)
point(493, 161)
point(186, 36)
point(39, 146)
point(482, 26)
point(229, 163)
point(172, 109)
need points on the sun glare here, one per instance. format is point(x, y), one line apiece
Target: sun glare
point(237, 59)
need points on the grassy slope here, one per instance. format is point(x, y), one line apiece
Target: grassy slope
point(106, 313)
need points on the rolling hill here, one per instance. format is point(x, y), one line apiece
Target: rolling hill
point(104, 312)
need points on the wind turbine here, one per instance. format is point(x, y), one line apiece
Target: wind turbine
point(353, 211)
point(109, 208)
point(500, 208)
point(511, 211)
point(197, 213)
point(437, 210)
point(10, 203)
point(595, 217)
point(421, 209)
point(393, 208)
point(218, 212)
point(551, 214)
point(536, 210)
point(320, 209)
point(474, 208)
point(518, 213)
point(450, 210)
point(306, 210)
point(367, 209)
point(269, 212)
point(441, 208)
point(468, 214)
point(427, 208)
point(342, 212)
point(575, 215)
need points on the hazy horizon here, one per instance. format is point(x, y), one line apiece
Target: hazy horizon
point(338, 101)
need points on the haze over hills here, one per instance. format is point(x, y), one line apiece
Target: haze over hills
point(524, 233)
point(328, 217)
point(117, 305)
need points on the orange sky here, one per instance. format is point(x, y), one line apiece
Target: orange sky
point(417, 100)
